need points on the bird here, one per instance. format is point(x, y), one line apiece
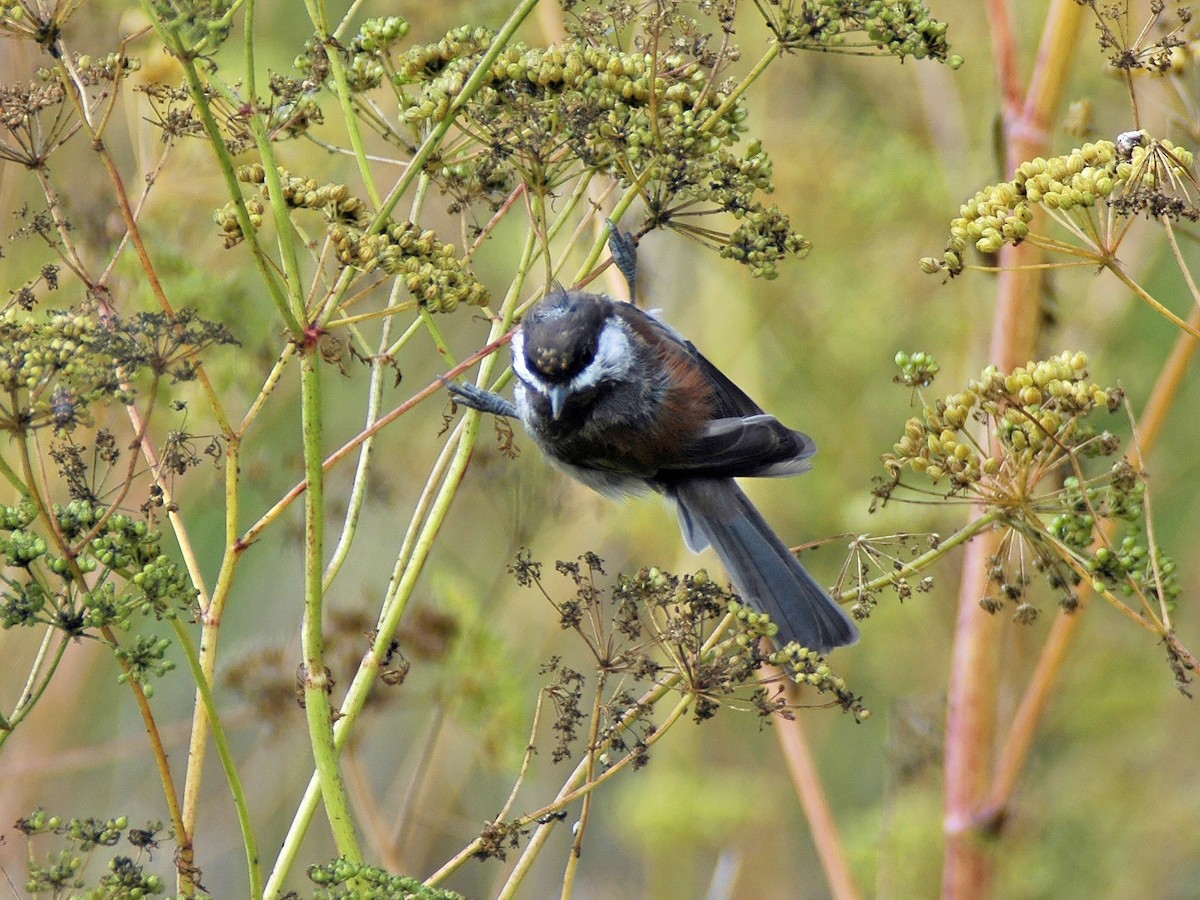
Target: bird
point(624, 404)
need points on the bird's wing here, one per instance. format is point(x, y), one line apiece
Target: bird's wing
point(740, 439)
point(731, 401)
point(753, 446)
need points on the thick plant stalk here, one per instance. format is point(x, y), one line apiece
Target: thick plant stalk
point(975, 667)
point(1036, 697)
point(811, 791)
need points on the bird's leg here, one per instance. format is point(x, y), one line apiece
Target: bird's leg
point(477, 398)
point(624, 254)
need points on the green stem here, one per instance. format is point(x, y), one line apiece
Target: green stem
point(917, 564)
point(225, 754)
point(759, 67)
point(13, 478)
point(317, 681)
point(320, 20)
point(409, 567)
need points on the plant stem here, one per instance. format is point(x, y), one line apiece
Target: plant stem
point(225, 754)
point(317, 681)
point(807, 780)
point(975, 666)
point(409, 568)
point(1034, 701)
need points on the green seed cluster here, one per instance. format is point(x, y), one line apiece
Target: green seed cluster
point(342, 879)
point(432, 272)
point(543, 114)
point(764, 238)
point(530, 92)
point(1105, 170)
point(67, 868)
point(1127, 563)
point(200, 26)
point(120, 547)
point(1034, 410)
point(917, 370)
point(145, 657)
point(379, 35)
point(607, 104)
point(902, 29)
point(1053, 526)
point(803, 666)
point(730, 179)
point(1120, 497)
point(53, 367)
point(364, 73)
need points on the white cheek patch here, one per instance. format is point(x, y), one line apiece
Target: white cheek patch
point(613, 357)
point(612, 361)
point(521, 366)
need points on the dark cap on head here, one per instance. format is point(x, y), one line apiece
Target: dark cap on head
point(562, 332)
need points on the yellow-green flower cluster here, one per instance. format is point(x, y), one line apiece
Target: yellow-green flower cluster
point(1034, 412)
point(334, 201)
point(605, 103)
point(52, 369)
point(432, 272)
point(1000, 213)
point(763, 239)
point(431, 269)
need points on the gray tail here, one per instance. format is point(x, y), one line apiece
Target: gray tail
point(764, 571)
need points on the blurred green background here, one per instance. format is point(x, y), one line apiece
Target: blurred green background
point(871, 161)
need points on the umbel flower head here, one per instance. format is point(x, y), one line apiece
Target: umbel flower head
point(1134, 174)
point(1022, 446)
point(432, 272)
point(1036, 415)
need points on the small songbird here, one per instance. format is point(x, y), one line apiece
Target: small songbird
point(623, 403)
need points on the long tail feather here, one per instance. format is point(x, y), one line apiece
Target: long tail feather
point(764, 571)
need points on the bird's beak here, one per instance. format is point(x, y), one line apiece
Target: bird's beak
point(558, 398)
